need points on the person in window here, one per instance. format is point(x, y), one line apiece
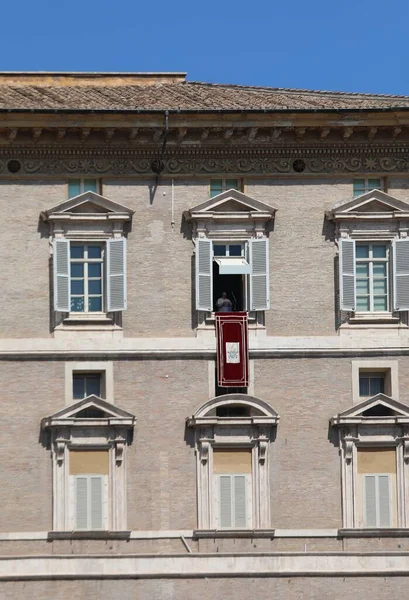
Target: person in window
point(223, 304)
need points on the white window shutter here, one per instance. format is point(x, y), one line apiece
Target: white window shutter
point(116, 275)
point(96, 502)
point(401, 274)
point(225, 485)
point(259, 278)
point(347, 274)
point(61, 268)
point(240, 512)
point(204, 274)
point(383, 498)
point(81, 502)
point(370, 500)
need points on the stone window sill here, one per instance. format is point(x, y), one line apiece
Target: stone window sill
point(89, 535)
point(375, 532)
point(233, 533)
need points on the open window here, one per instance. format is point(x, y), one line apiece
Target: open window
point(232, 252)
point(233, 435)
point(374, 450)
point(89, 256)
point(373, 256)
point(88, 443)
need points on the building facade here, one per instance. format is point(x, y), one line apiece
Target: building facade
point(131, 203)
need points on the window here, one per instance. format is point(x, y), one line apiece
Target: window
point(87, 261)
point(86, 384)
point(377, 481)
point(88, 442)
point(232, 483)
point(217, 186)
point(371, 384)
point(372, 277)
point(78, 186)
point(89, 470)
point(374, 463)
point(233, 436)
point(361, 186)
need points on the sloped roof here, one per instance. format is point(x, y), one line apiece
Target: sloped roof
point(184, 96)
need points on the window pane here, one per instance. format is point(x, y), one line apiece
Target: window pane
point(74, 187)
point(216, 187)
point(219, 250)
point(78, 387)
point(362, 270)
point(362, 251)
point(362, 303)
point(94, 251)
point(77, 304)
point(90, 185)
point(93, 385)
point(379, 270)
point(364, 386)
point(374, 184)
point(376, 385)
point(77, 251)
point(379, 287)
point(94, 286)
point(232, 184)
point(235, 250)
point(77, 270)
point(94, 270)
point(380, 303)
point(379, 251)
point(77, 287)
point(95, 304)
point(362, 287)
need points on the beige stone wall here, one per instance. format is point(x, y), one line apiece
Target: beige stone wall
point(160, 256)
point(313, 588)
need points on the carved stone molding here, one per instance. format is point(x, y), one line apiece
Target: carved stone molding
point(17, 161)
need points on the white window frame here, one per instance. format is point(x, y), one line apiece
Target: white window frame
point(86, 261)
point(212, 432)
point(370, 261)
point(105, 368)
point(245, 255)
point(359, 431)
point(69, 432)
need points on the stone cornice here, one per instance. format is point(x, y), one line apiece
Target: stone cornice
point(301, 160)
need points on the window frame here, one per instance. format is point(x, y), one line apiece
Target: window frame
point(98, 181)
point(86, 261)
point(367, 187)
point(104, 368)
point(224, 187)
point(371, 261)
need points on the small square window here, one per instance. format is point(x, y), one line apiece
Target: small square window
point(78, 186)
point(217, 186)
point(86, 384)
point(363, 185)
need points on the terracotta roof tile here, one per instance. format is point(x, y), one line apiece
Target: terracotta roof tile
point(185, 95)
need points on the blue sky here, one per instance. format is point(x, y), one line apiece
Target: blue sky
point(349, 45)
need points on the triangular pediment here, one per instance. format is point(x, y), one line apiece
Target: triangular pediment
point(93, 407)
point(375, 203)
point(231, 202)
point(379, 407)
point(87, 203)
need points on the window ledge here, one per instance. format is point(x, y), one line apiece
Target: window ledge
point(233, 533)
point(374, 318)
point(88, 318)
point(374, 532)
point(89, 535)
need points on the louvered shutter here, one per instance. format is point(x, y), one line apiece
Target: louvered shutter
point(383, 501)
point(347, 274)
point(81, 502)
point(204, 274)
point(401, 274)
point(116, 275)
point(259, 278)
point(96, 502)
point(225, 491)
point(61, 268)
point(370, 500)
point(240, 512)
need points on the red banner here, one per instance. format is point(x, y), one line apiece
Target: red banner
point(232, 349)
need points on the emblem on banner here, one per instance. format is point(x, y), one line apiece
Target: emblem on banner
point(232, 352)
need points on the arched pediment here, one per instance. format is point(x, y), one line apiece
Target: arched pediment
point(258, 411)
